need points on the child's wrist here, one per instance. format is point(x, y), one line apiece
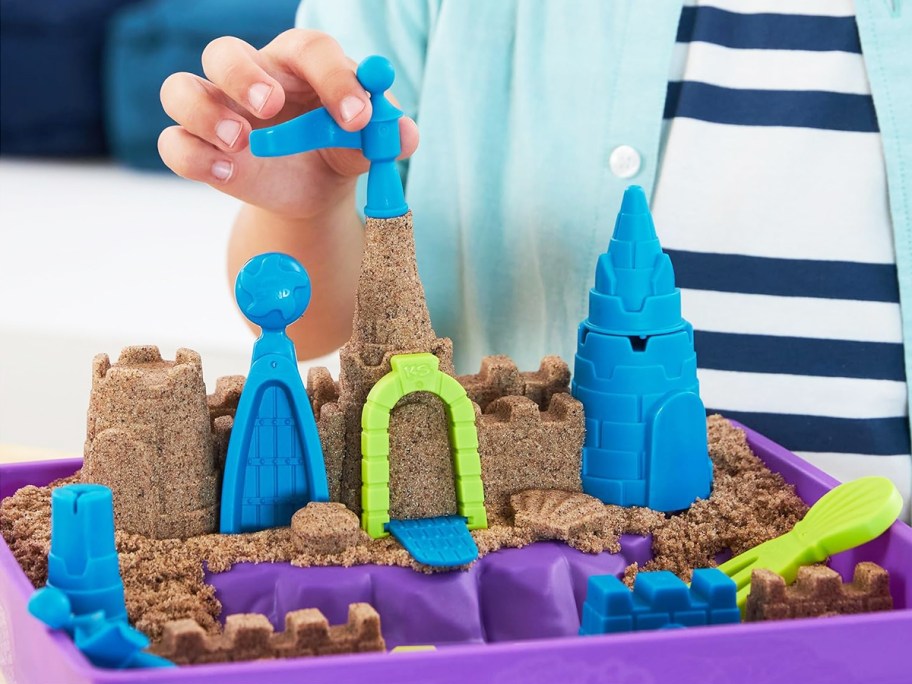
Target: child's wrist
point(340, 217)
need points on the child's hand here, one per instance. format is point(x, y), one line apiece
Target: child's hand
point(247, 88)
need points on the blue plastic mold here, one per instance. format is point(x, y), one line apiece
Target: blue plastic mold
point(379, 140)
point(635, 291)
point(274, 464)
point(84, 595)
point(83, 562)
point(660, 600)
point(635, 373)
point(443, 542)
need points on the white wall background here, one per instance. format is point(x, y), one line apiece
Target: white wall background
point(94, 257)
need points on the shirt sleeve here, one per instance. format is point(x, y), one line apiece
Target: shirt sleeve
point(397, 29)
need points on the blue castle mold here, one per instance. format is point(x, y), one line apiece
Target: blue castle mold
point(636, 376)
point(84, 594)
point(659, 600)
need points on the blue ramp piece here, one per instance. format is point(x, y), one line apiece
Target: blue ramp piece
point(441, 542)
point(378, 140)
point(274, 464)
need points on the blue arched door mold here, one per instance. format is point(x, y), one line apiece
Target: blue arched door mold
point(274, 464)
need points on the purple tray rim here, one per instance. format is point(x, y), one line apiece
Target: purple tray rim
point(328, 665)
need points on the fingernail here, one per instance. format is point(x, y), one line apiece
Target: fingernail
point(222, 170)
point(258, 94)
point(350, 107)
point(228, 131)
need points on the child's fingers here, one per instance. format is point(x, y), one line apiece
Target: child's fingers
point(408, 135)
point(190, 157)
point(199, 108)
point(232, 65)
point(318, 60)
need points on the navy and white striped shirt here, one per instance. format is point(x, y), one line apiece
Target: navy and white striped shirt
point(771, 201)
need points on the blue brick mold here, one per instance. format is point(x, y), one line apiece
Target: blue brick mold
point(659, 600)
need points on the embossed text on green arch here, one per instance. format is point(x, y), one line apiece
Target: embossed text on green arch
point(418, 373)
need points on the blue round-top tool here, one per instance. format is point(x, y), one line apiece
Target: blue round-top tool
point(376, 74)
point(274, 464)
point(272, 291)
point(379, 140)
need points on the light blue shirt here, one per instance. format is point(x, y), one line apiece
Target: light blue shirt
point(511, 188)
point(510, 213)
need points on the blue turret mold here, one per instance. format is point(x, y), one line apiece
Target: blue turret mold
point(379, 140)
point(84, 595)
point(636, 376)
point(274, 464)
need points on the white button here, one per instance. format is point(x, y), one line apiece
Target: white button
point(624, 161)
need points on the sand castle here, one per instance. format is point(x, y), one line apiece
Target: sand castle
point(530, 430)
point(251, 636)
point(150, 440)
point(818, 591)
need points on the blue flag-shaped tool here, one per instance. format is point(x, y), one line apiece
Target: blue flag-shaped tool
point(379, 140)
point(274, 464)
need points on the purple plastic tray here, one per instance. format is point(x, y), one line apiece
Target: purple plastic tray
point(498, 601)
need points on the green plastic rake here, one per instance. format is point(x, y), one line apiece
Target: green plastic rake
point(850, 515)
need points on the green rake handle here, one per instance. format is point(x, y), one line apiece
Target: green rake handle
point(846, 517)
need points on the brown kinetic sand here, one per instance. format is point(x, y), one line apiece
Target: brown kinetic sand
point(524, 447)
point(500, 377)
point(250, 636)
point(222, 405)
point(532, 441)
point(391, 317)
point(164, 579)
point(422, 483)
point(749, 504)
point(149, 440)
point(224, 400)
point(324, 396)
point(818, 591)
point(25, 524)
point(580, 520)
point(326, 528)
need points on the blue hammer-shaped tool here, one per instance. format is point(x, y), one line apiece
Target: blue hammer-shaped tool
point(378, 141)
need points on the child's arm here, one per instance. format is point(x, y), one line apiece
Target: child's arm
point(329, 247)
point(302, 205)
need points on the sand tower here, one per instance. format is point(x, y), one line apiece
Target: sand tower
point(391, 317)
point(149, 440)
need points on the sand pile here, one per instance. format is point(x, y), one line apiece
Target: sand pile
point(164, 578)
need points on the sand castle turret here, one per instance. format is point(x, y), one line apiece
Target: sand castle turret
point(530, 431)
point(391, 317)
point(149, 440)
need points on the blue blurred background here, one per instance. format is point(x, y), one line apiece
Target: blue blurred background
point(80, 78)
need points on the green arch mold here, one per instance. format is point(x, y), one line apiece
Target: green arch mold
point(418, 373)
